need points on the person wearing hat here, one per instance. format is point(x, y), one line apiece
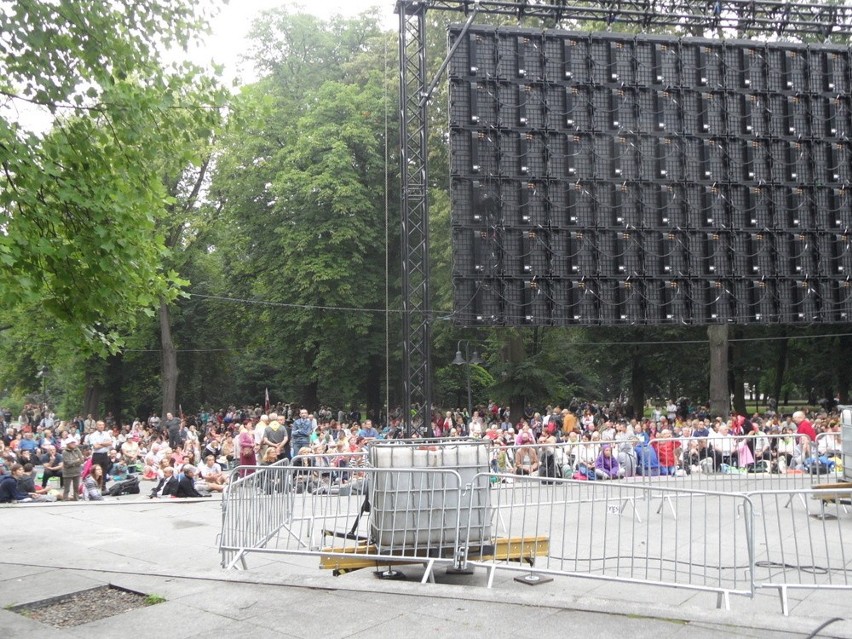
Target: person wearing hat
point(275, 437)
point(72, 467)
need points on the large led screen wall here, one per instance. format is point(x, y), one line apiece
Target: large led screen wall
point(607, 179)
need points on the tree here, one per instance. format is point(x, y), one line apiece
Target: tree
point(79, 204)
point(299, 181)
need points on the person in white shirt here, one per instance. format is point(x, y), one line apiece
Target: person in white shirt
point(212, 474)
point(102, 442)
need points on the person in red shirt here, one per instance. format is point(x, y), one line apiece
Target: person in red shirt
point(667, 452)
point(803, 425)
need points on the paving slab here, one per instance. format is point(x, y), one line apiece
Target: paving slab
point(169, 549)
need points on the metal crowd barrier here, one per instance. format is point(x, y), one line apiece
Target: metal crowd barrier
point(660, 533)
point(627, 533)
point(415, 514)
point(795, 550)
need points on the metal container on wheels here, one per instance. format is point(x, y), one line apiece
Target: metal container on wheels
point(435, 511)
point(846, 440)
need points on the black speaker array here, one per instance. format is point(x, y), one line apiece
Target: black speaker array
point(604, 179)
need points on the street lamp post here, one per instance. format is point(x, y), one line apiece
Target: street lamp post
point(466, 361)
point(43, 374)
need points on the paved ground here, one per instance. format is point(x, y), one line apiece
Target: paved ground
point(168, 548)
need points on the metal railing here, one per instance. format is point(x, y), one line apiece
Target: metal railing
point(627, 532)
point(654, 533)
point(799, 550)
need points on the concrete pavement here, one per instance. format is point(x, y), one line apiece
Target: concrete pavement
point(168, 548)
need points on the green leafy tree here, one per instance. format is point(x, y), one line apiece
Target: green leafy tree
point(301, 181)
point(80, 203)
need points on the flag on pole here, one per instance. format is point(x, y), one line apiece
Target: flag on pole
point(266, 402)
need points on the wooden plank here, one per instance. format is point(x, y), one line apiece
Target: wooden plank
point(504, 549)
point(833, 497)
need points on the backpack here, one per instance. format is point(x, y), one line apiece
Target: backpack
point(129, 486)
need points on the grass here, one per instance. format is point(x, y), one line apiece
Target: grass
point(153, 600)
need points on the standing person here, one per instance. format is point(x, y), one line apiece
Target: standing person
point(72, 468)
point(101, 442)
point(275, 437)
point(302, 429)
point(246, 448)
point(172, 425)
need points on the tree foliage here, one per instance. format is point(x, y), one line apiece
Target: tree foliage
point(301, 182)
point(81, 194)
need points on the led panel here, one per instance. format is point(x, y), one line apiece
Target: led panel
point(609, 179)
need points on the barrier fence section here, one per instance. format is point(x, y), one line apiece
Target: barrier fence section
point(627, 533)
point(415, 514)
point(797, 550)
point(254, 504)
point(256, 501)
point(659, 533)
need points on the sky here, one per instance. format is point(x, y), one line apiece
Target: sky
point(231, 26)
point(228, 41)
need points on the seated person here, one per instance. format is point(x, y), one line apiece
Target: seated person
point(606, 465)
point(51, 461)
point(209, 477)
point(119, 471)
point(130, 452)
point(167, 485)
point(26, 484)
point(526, 458)
point(186, 484)
point(93, 484)
point(648, 464)
point(151, 467)
point(9, 491)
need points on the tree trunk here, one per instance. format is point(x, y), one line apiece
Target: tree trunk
point(94, 385)
point(114, 386)
point(515, 353)
point(312, 396)
point(637, 384)
point(737, 377)
point(844, 375)
point(720, 395)
point(780, 369)
point(168, 361)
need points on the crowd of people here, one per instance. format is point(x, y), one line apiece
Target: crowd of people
point(192, 456)
point(566, 447)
